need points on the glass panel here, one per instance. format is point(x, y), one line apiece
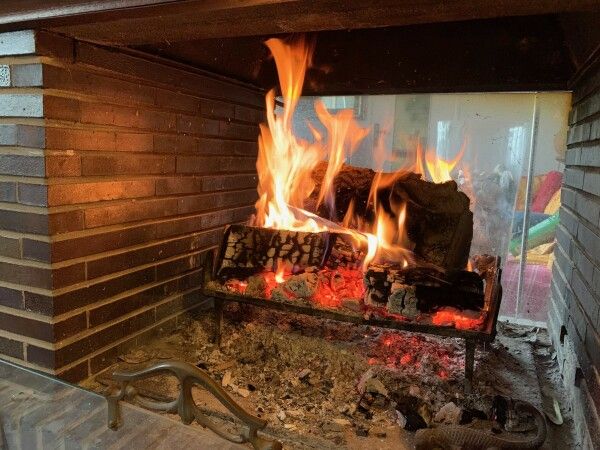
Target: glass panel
point(494, 130)
point(544, 203)
point(41, 412)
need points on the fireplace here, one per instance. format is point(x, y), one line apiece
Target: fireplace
point(130, 198)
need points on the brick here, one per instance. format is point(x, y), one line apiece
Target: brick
point(37, 250)
point(43, 330)
point(25, 222)
point(588, 207)
point(175, 144)
point(89, 294)
point(577, 324)
point(33, 194)
point(134, 142)
point(75, 374)
point(66, 221)
point(584, 265)
point(590, 156)
point(585, 298)
point(196, 203)
point(63, 166)
point(179, 266)
point(17, 43)
point(130, 212)
point(27, 75)
point(197, 125)
point(98, 243)
point(574, 177)
point(178, 304)
point(32, 166)
point(568, 220)
point(8, 134)
point(567, 197)
point(222, 183)
point(21, 105)
point(588, 239)
point(226, 216)
point(214, 108)
point(11, 298)
point(10, 247)
point(26, 275)
point(73, 193)
point(145, 119)
point(592, 345)
point(103, 87)
point(66, 276)
point(595, 130)
point(211, 164)
point(31, 136)
point(4, 75)
point(572, 156)
point(179, 185)
point(11, 348)
point(54, 45)
point(199, 84)
point(8, 192)
point(177, 101)
point(127, 164)
point(126, 305)
point(88, 344)
point(249, 114)
point(79, 139)
point(61, 108)
point(149, 254)
point(238, 131)
point(591, 183)
point(579, 133)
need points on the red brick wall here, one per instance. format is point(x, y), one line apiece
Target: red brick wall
point(117, 174)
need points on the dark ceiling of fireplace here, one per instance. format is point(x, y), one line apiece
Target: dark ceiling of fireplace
point(379, 46)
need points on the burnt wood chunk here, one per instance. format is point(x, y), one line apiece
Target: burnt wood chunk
point(410, 290)
point(248, 250)
point(438, 221)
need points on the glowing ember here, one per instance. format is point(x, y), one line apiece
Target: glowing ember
point(461, 320)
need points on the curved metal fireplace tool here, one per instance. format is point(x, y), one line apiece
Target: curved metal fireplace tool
point(188, 376)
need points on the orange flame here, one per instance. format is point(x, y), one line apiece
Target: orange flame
point(438, 169)
point(285, 165)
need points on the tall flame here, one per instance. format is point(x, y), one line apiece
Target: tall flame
point(285, 165)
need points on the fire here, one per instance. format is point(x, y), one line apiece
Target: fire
point(279, 275)
point(285, 165)
point(438, 169)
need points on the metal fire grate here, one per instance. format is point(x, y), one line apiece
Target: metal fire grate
point(485, 334)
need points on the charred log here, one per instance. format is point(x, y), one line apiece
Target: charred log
point(439, 222)
point(411, 290)
point(248, 250)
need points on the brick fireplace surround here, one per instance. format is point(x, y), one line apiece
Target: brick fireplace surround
point(574, 317)
point(117, 173)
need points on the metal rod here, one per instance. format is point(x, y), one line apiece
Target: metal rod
point(527, 211)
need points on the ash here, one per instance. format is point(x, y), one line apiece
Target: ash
point(324, 384)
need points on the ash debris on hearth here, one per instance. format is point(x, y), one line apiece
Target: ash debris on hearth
point(324, 384)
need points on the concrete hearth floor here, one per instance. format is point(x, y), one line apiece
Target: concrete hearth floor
point(322, 384)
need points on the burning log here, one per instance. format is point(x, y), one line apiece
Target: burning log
point(438, 220)
point(412, 290)
point(248, 250)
